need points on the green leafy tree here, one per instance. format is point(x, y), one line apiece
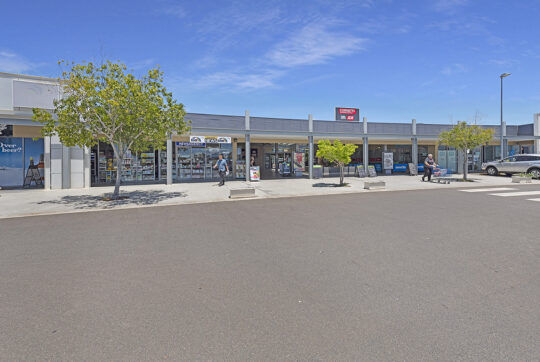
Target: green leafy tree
point(106, 103)
point(464, 137)
point(336, 153)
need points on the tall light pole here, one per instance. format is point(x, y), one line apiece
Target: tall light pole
point(504, 75)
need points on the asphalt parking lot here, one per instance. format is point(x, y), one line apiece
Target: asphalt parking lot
point(439, 275)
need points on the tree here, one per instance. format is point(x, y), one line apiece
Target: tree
point(105, 103)
point(337, 153)
point(464, 137)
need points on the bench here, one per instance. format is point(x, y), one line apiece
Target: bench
point(240, 193)
point(370, 185)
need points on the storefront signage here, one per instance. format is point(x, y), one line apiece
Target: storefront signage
point(371, 171)
point(254, 173)
point(347, 114)
point(8, 147)
point(299, 162)
point(207, 139)
point(400, 167)
point(388, 160)
point(361, 171)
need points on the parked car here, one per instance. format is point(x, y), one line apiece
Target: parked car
point(526, 163)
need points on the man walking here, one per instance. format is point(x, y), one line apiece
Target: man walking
point(223, 169)
point(429, 163)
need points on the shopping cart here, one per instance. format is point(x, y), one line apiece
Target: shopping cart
point(441, 175)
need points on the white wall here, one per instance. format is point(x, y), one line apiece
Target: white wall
point(6, 94)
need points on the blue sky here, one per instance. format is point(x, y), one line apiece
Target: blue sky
point(433, 60)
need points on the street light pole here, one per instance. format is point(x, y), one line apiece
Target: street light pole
point(502, 133)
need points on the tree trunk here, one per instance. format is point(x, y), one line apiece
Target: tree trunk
point(465, 165)
point(119, 165)
point(341, 175)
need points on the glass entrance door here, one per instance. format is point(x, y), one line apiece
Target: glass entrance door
point(183, 163)
point(198, 156)
point(212, 155)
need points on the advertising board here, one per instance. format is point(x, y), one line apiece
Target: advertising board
point(347, 114)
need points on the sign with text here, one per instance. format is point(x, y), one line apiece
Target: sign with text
point(209, 139)
point(347, 114)
point(6, 130)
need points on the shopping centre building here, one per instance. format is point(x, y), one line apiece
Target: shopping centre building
point(275, 147)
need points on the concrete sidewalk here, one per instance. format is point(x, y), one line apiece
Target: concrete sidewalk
point(17, 203)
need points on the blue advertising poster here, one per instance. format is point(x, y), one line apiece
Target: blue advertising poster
point(11, 161)
point(33, 155)
point(400, 167)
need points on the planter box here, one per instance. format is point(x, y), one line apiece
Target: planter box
point(371, 185)
point(520, 179)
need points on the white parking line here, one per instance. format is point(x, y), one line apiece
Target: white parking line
point(522, 193)
point(491, 189)
point(533, 200)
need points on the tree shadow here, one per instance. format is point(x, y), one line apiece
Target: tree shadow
point(135, 198)
point(326, 184)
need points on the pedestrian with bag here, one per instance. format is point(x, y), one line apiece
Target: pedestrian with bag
point(222, 168)
point(429, 163)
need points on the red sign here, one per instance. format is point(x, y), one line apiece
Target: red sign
point(347, 114)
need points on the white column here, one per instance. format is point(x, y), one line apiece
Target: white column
point(414, 144)
point(169, 160)
point(47, 162)
point(365, 145)
point(536, 133)
point(248, 146)
point(311, 147)
point(87, 168)
point(56, 163)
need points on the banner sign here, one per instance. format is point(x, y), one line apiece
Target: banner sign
point(209, 139)
point(187, 144)
point(299, 162)
point(388, 160)
point(400, 167)
point(254, 173)
point(347, 114)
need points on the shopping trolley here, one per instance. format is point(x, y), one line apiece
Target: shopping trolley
point(441, 175)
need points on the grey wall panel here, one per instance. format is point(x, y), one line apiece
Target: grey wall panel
point(390, 128)
point(337, 127)
point(526, 130)
point(215, 121)
point(32, 94)
point(279, 124)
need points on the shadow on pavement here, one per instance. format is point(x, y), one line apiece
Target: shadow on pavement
point(325, 184)
point(137, 197)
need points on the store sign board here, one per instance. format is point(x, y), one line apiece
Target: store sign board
point(254, 173)
point(388, 160)
point(186, 144)
point(299, 162)
point(371, 171)
point(208, 139)
point(361, 171)
point(347, 114)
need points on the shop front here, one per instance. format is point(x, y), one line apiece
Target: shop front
point(194, 160)
point(21, 157)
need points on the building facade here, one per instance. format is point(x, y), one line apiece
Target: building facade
point(270, 147)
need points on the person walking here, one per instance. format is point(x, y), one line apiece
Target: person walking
point(222, 168)
point(429, 163)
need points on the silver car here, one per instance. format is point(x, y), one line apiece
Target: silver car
point(526, 163)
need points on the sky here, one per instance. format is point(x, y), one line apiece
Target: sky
point(437, 61)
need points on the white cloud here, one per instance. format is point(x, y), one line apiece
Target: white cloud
point(14, 63)
point(237, 80)
point(449, 6)
point(314, 44)
point(453, 69)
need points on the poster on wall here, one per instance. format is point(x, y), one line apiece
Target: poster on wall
point(388, 160)
point(6, 130)
point(299, 162)
point(11, 161)
point(33, 155)
point(254, 173)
